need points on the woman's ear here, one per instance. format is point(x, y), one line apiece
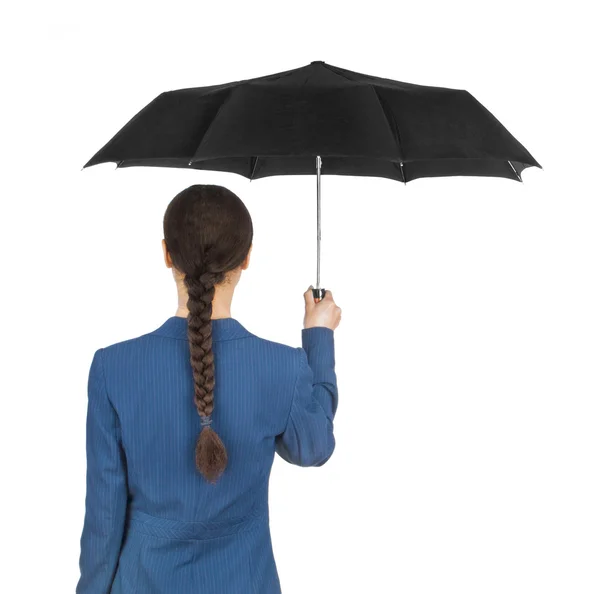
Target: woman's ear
point(246, 261)
point(166, 255)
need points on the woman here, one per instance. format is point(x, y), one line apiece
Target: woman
point(183, 423)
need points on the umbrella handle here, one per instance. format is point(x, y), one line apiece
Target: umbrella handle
point(318, 294)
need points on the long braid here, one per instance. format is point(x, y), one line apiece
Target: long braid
point(211, 455)
point(207, 235)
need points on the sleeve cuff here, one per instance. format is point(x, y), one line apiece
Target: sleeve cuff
point(319, 345)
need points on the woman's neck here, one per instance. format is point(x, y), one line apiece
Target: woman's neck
point(221, 305)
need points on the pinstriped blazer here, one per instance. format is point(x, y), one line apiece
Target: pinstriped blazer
point(152, 524)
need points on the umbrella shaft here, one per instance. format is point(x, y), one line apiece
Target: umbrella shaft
point(318, 164)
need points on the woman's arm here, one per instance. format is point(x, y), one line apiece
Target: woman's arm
point(106, 489)
point(308, 438)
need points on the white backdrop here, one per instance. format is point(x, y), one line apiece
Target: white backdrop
point(467, 455)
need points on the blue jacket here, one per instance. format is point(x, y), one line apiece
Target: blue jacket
point(153, 524)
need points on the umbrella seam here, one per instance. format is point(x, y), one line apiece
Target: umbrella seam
point(234, 86)
point(502, 126)
point(213, 121)
point(387, 119)
point(342, 76)
point(396, 133)
point(121, 131)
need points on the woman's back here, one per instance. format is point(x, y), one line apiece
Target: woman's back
point(180, 532)
point(150, 383)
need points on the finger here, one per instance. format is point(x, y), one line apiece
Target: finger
point(328, 296)
point(309, 300)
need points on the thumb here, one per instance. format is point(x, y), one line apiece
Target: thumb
point(309, 300)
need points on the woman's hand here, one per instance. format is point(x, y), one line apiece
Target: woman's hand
point(324, 313)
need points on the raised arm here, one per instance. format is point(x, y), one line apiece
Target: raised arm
point(106, 489)
point(308, 438)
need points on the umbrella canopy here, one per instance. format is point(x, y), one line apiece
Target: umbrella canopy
point(319, 119)
point(358, 125)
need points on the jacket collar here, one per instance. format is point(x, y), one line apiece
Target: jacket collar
point(222, 329)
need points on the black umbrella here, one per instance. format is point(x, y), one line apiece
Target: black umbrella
point(320, 119)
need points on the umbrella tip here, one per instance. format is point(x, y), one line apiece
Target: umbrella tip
point(318, 62)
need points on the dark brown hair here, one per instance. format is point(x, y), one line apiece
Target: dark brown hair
point(208, 232)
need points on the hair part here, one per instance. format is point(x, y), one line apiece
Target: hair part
point(208, 232)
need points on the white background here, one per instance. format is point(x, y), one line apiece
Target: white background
point(467, 430)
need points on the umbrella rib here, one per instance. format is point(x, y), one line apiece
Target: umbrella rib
point(402, 172)
point(513, 168)
point(255, 159)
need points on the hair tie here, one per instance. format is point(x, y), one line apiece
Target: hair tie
point(205, 421)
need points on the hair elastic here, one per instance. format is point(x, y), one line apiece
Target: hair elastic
point(205, 421)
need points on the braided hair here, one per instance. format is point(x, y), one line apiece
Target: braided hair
point(208, 232)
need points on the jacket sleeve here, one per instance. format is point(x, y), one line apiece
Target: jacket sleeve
point(106, 489)
point(308, 436)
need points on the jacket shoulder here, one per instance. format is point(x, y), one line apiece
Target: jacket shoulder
point(282, 359)
point(284, 350)
point(122, 347)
